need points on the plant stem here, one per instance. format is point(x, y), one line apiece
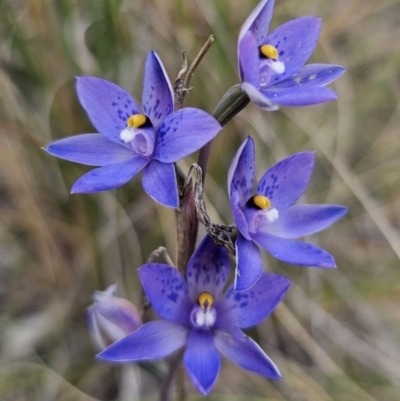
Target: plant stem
point(231, 104)
point(186, 219)
point(165, 393)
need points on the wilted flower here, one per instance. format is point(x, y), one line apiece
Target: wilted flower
point(199, 316)
point(271, 66)
point(269, 217)
point(130, 141)
point(111, 318)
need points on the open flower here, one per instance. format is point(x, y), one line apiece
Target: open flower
point(131, 140)
point(199, 316)
point(270, 219)
point(271, 66)
point(111, 318)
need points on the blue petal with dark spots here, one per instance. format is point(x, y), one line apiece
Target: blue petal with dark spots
point(107, 105)
point(241, 172)
point(184, 132)
point(250, 307)
point(285, 182)
point(167, 291)
point(208, 269)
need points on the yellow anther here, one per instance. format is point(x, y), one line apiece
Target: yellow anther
point(136, 121)
point(205, 300)
point(262, 202)
point(269, 51)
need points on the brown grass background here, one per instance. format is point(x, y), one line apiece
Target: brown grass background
point(336, 336)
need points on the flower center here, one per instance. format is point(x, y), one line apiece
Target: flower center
point(262, 202)
point(136, 121)
point(139, 134)
point(205, 300)
point(204, 315)
point(260, 212)
point(270, 64)
point(269, 51)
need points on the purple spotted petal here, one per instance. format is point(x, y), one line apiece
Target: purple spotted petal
point(107, 105)
point(159, 181)
point(248, 263)
point(301, 220)
point(208, 269)
point(294, 252)
point(153, 340)
point(157, 99)
point(241, 172)
point(248, 54)
point(109, 177)
point(250, 307)
point(245, 352)
point(300, 96)
point(167, 291)
point(295, 41)
point(90, 149)
point(202, 360)
point(257, 97)
point(311, 75)
point(239, 217)
point(184, 132)
point(258, 21)
point(286, 181)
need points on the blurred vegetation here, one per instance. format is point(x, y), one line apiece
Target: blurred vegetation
point(336, 337)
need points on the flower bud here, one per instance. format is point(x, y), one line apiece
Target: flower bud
point(111, 318)
point(233, 101)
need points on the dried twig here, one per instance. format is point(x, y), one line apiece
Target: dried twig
point(181, 85)
point(187, 223)
point(221, 234)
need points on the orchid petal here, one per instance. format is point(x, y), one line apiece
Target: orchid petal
point(119, 312)
point(208, 269)
point(89, 149)
point(107, 105)
point(153, 340)
point(258, 21)
point(285, 182)
point(239, 217)
point(167, 291)
point(311, 75)
point(300, 220)
point(257, 97)
point(184, 132)
point(295, 41)
point(202, 360)
point(109, 177)
point(248, 54)
point(299, 96)
point(158, 99)
point(245, 352)
point(109, 331)
point(250, 307)
point(294, 252)
point(241, 172)
point(98, 337)
point(249, 264)
point(159, 181)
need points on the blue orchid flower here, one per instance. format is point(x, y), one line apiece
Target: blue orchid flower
point(131, 140)
point(270, 219)
point(271, 66)
point(201, 317)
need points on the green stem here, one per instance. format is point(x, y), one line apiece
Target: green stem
point(231, 104)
